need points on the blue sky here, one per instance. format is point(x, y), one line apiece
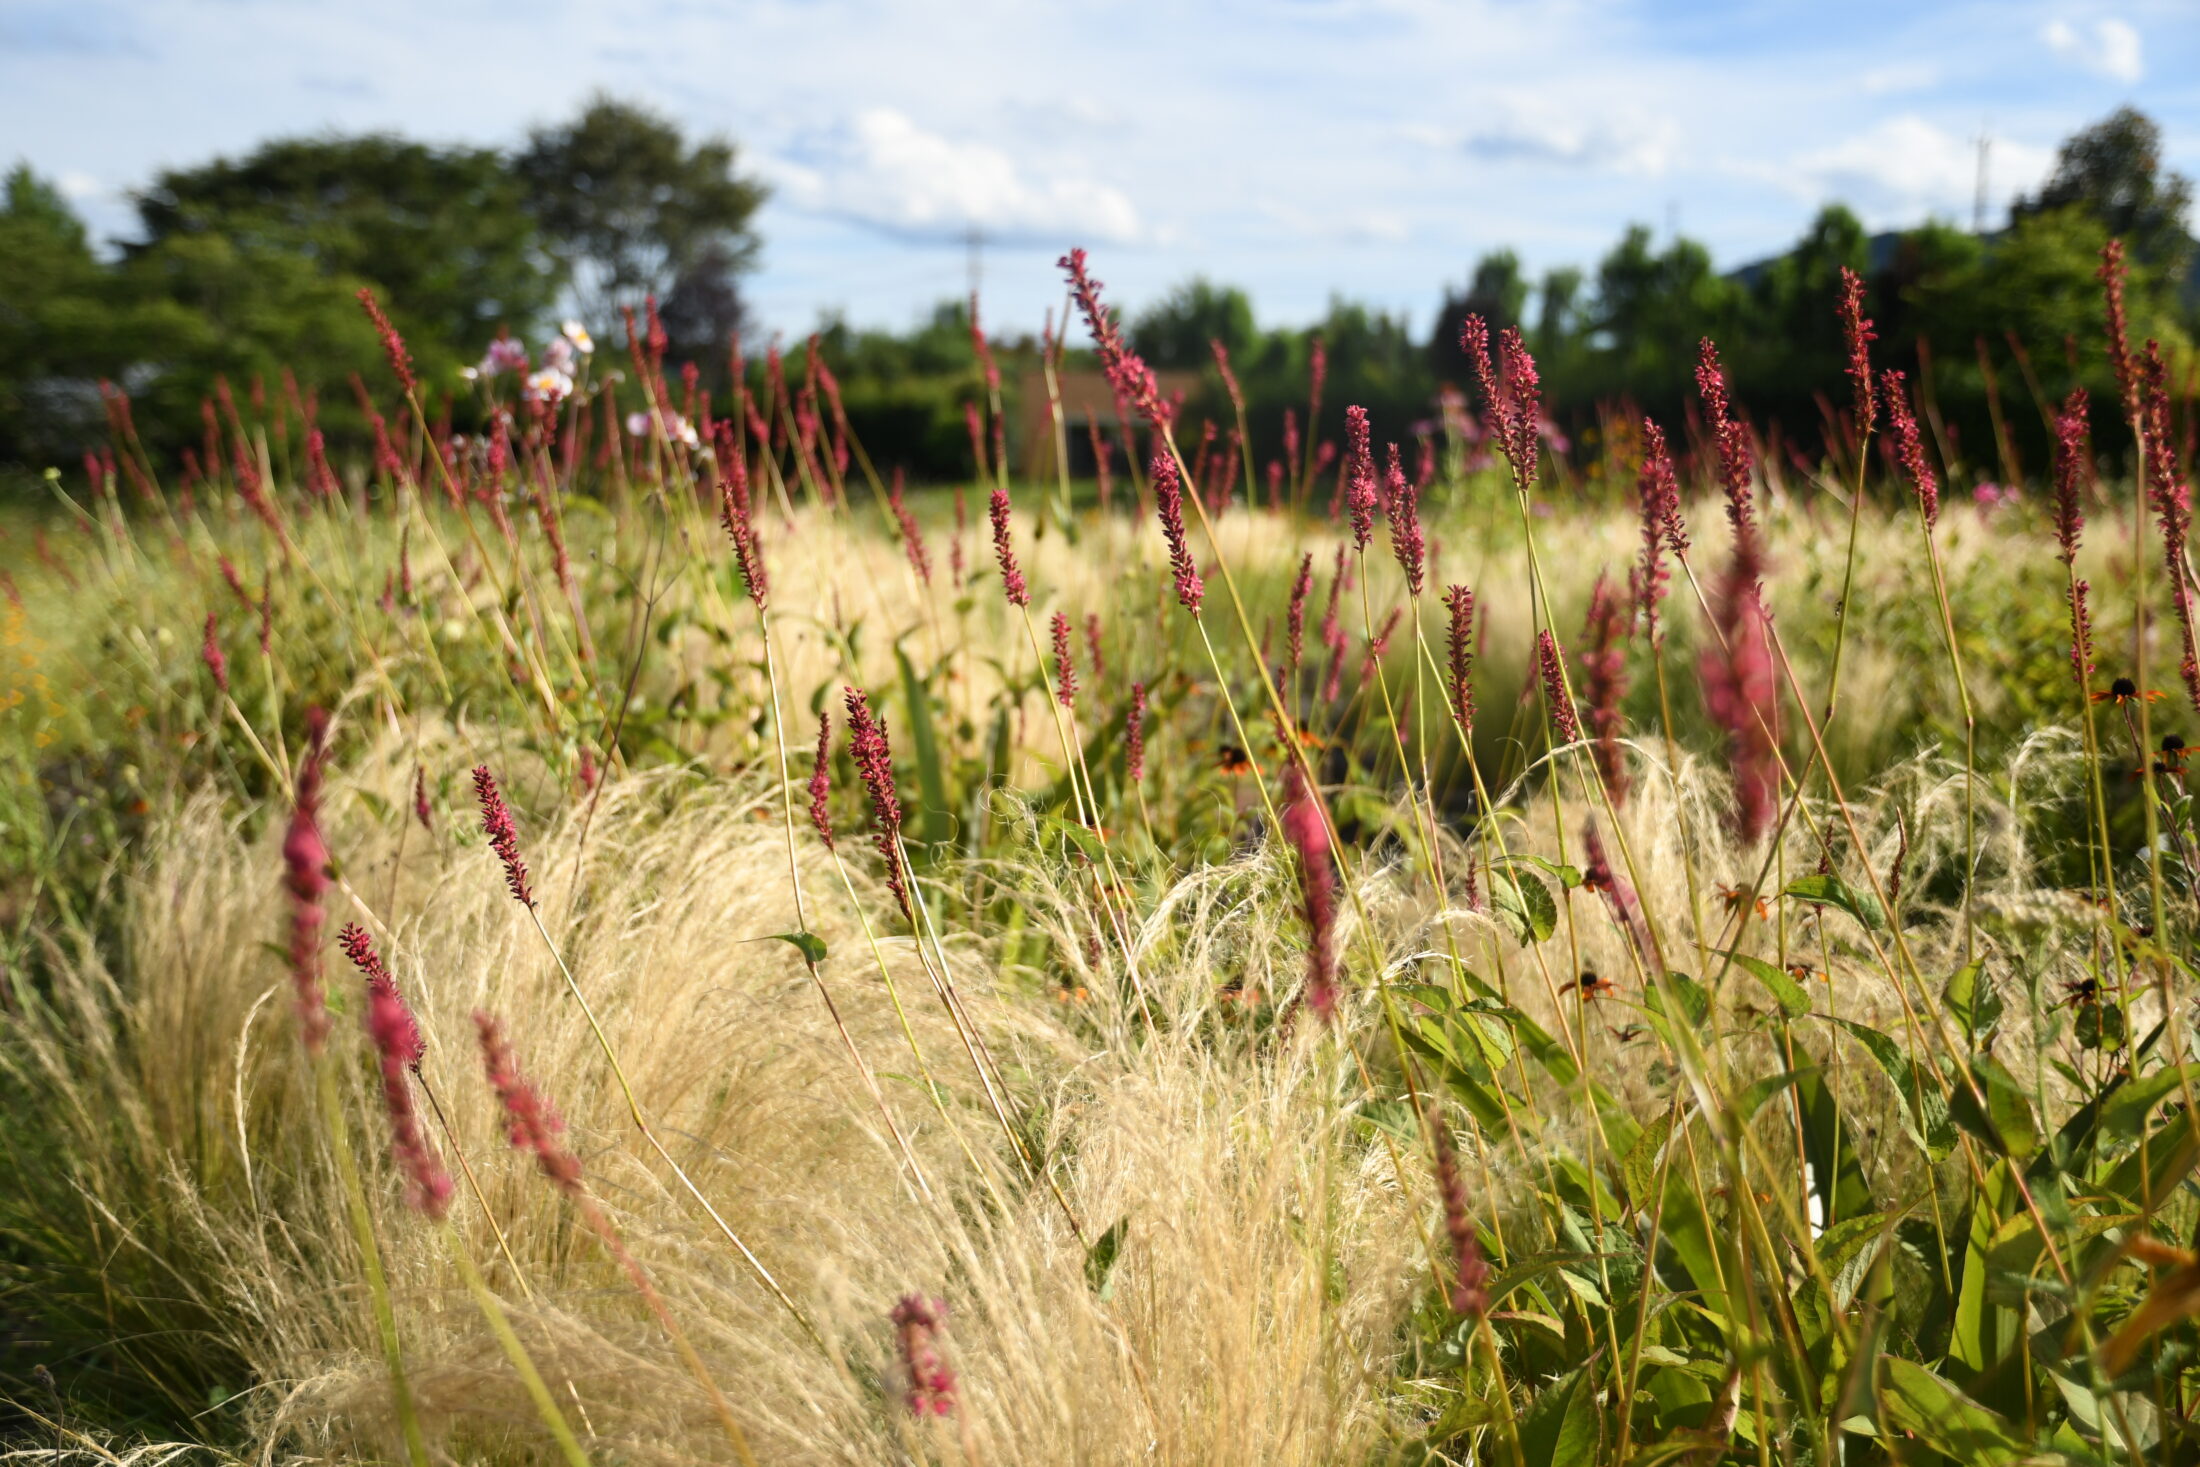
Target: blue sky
point(1300, 148)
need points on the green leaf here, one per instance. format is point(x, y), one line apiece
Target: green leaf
point(2004, 1121)
point(1925, 1110)
point(938, 825)
point(1100, 1259)
point(1753, 1097)
point(1525, 904)
point(809, 944)
point(1832, 891)
point(1944, 1418)
point(1785, 991)
point(1566, 876)
point(2124, 1110)
point(1638, 1169)
point(1556, 1431)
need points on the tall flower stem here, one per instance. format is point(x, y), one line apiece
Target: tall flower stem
point(523, 1365)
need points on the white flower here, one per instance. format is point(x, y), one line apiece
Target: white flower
point(637, 424)
point(558, 355)
point(576, 333)
point(471, 374)
point(549, 385)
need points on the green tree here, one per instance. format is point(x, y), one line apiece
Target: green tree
point(1176, 330)
point(443, 233)
point(1498, 293)
point(2113, 170)
point(632, 210)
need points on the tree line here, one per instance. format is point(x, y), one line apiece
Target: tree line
point(246, 269)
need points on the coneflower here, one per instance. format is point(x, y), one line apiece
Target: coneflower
point(1359, 471)
point(874, 762)
point(1857, 335)
point(1168, 500)
point(2070, 455)
point(821, 784)
point(1730, 438)
point(1295, 618)
point(210, 652)
point(1092, 648)
point(1134, 735)
point(1909, 447)
point(422, 811)
point(399, 1047)
point(393, 345)
point(1406, 541)
point(1470, 1271)
point(1565, 723)
point(1307, 830)
point(1065, 664)
point(1459, 643)
point(1004, 547)
point(1662, 529)
point(305, 877)
point(531, 1123)
point(1126, 372)
point(1604, 685)
point(496, 823)
point(918, 1323)
point(912, 539)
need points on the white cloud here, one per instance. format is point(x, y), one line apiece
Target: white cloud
point(1540, 130)
point(1899, 76)
point(2109, 48)
point(883, 169)
point(1907, 164)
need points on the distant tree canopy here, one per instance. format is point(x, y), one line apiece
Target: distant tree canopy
point(246, 266)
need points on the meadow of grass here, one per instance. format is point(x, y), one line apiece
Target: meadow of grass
point(632, 940)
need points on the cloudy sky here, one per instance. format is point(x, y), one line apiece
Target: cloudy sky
point(1300, 148)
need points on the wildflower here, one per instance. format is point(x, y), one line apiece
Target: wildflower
point(496, 823)
point(1598, 876)
point(1168, 499)
point(399, 1047)
point(821, 782)
point(2171, 499)
point(305, 876)
point(1857, 333)
point(1741, 695)
point(2081, 632)
point(1359, 470)
point(1065, 666)
point(1092, 646)
point(210, 652)
point(576, 333)
point(912, 539)
point(1127, 373)
point(559, 355)
point(1731, 439)
point(550, 386)
point(1295, 618)
point(1406, 541)
point(2124, 691)
point(1662, 529)
point(2070, 451)
point(1470, 1271)
point(1134, 735)
point(1604, 684)
point(1231, 759)
point(531, 1122)
point(1459, 642)
point(393, 345)
point(1512, 394)
point(874, 762)
point(504, 355)
point(421, 810)
point(1307, 829)
point(1565, 723)
point(918, 1322)
point(2111, 276)
point(734, 512)
point(1004, 547)
point(1910, 448)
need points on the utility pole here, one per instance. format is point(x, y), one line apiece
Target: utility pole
point(1978, 199)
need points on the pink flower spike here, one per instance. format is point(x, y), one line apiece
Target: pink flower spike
point(2070, 457)
point(1065, 665)
point(1295, 618)
point(1857, 333)
point(1565, 723)
point(210, 652)
point(1307, 830)
point(532, 1124)
point(496, 823)
point(1470, 1270)
point(1406, 541)
point(1168, 499)
point(1360, 486)
point(399, 1048)
point(1134, 735)
point(821, 781)
point(1910, 448)
point(918, 1324)
point(1004, 547)
point(874, 762)
point(1459, 643)
point(305, 876)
